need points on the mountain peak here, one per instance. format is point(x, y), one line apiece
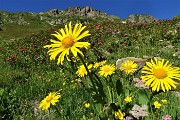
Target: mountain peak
point(56, 16)
point(86, 11)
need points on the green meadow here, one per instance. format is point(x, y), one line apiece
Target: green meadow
point(27, 75)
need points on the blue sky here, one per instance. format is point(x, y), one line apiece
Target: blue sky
point(161, 9)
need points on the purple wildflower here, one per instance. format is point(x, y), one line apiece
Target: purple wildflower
point(128, 118)
point(138, 111)
point(139, 83)
point(167, 117)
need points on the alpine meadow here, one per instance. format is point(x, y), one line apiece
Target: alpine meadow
point(83, 64)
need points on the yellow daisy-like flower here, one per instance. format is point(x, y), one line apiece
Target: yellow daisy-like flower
point(67, 40)
point(81, 72)
point(98, 64)
point(128, 99)
point(106, 70)
point(83, 118)
point(129, 66)
point(157, 104)
point(87, 105)
point(160, 75)
point(119, 115)
point(165, 102)
point(52, 98)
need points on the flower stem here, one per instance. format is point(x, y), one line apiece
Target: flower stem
point(80, 57)
point(111, 85)
point(109, 94)
point(150, 102)
point(57, 110)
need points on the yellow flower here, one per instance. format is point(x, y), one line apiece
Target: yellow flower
point(119, 115)
point(81, 72)
point(87, 105)
point(128, 99)
point(52, 98)
point(98, 64)
point(157, 105)
point(83, 118)
point(165, 102)
point(106, 70)
point(160, 75)
point(67, 40)
point(129, 66)
point(91, 114)
point(64, 83)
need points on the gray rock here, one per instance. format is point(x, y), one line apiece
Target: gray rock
point(140, 61)
point(53, 12)
point(17, 18)
point(141, 18)
point(177, 54)
point(167, 49)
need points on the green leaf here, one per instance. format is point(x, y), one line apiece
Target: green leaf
point(98, 107)
point(119, 87)
point(1, 92)
point(143, 97)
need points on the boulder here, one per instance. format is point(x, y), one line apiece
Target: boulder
point(141, 18)
point(140, 61)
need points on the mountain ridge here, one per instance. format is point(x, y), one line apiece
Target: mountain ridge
point(56, 16)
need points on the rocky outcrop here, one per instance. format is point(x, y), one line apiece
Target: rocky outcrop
point(85, 12)
point(55, 16)
point(80, 12)
point(141, 18)
point(17, 18)
point(54, 12)
point(177, 17)
point(1, 23)
point(61, 16)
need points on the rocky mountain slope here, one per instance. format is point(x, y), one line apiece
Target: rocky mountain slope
point(141, 18)
point(55, 16)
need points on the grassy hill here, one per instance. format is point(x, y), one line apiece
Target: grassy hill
point(20, 24)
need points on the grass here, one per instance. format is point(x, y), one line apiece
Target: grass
point(27, 74)
point(12, 31)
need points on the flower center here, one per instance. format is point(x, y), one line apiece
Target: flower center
point(84, 70)
point(160, 73)
point(128, 68)
point(49, 99)
point(106, 69)
point(68, 42)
